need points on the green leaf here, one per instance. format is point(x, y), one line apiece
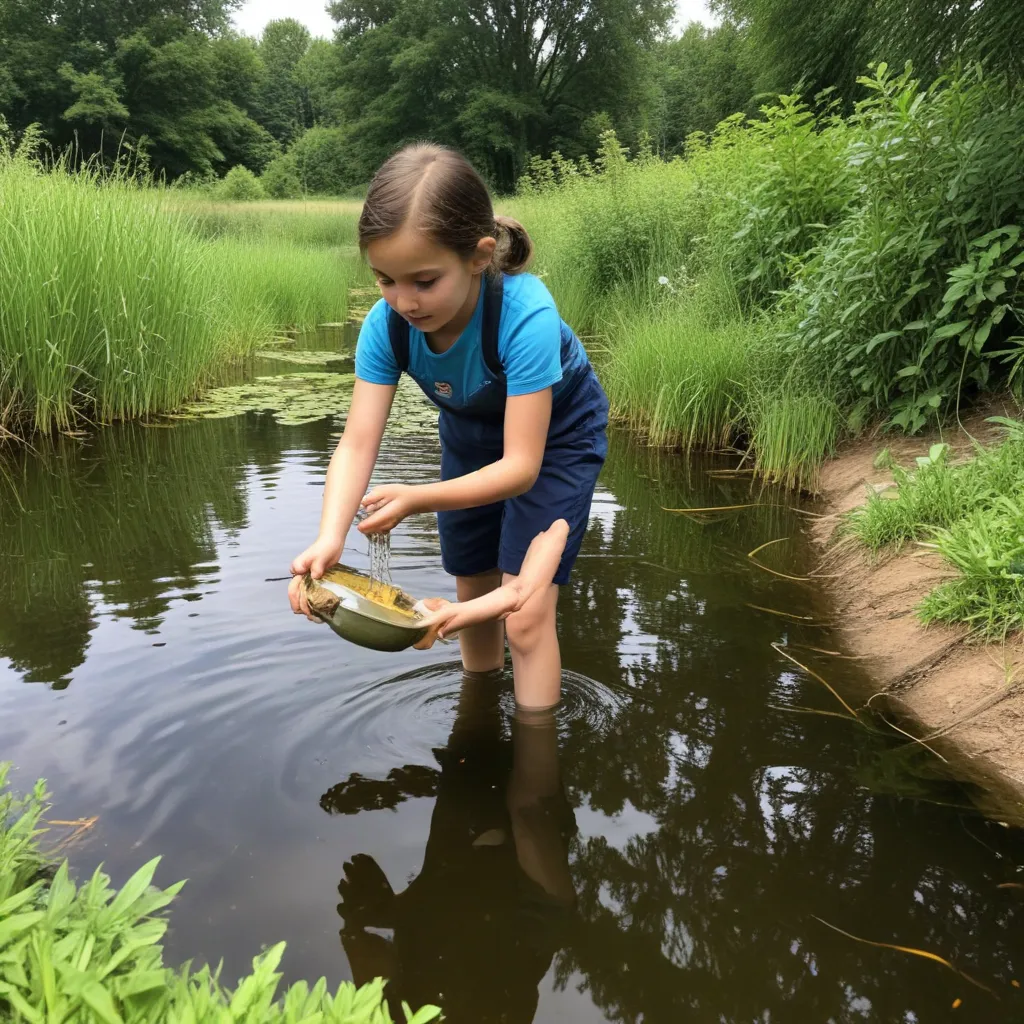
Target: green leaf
point(135, 887)
point(878, 339)
point(951, 330)
point(14, 926)
point(909, 371)
point(99, 1001)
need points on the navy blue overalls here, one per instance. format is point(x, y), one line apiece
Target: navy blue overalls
point(496, 536)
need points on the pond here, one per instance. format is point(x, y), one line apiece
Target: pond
point(679, 842)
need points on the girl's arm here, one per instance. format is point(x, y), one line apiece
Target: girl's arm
point(526, 429)
point(347, 478)
point(538, 570)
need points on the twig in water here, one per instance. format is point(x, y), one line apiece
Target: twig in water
point(910, 736)
point(778, 647)
point(80, 826)
point(774, 572)
point(908, 949)
point(812, 711)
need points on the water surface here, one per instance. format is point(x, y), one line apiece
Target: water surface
point(667, 848)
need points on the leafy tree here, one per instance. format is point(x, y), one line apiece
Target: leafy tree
point(703, 76)
point(321, 160)
point(283, 104)
point(819, 46)
point(495, 79)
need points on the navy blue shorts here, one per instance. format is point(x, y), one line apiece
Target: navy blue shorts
point(489, 537)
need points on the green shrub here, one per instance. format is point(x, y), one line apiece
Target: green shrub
point(321, 157)
point(915, 294)
point(93, 955)
point(280, 178)
point(240, 184)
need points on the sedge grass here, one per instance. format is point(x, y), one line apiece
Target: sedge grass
point(114, 306)
point(972, 514)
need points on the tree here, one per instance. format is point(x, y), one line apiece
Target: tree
point(497, 79)
point(283, 104)
point(703, 76)
point(817, 46)
point(164, 74)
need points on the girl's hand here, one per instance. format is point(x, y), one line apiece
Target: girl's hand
point(388, 506)
point(318, 557)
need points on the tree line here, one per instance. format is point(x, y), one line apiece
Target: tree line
point(499, 79)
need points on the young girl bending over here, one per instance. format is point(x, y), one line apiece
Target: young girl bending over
point(522, 415)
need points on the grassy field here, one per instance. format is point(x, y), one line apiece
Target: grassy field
point(120, 301)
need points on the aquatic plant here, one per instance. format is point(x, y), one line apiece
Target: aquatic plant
point(92, 954)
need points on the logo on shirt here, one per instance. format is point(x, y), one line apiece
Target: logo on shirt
point(443, 388)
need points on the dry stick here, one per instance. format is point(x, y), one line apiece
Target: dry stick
point(910, 736)
point(778, 647)
point(810, 711)
point(774, 572)
point(806, 619)
point(908, 949)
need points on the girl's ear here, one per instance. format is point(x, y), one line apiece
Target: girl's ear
point(481, 259)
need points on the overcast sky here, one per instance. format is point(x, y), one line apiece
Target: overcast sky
point(256, 13)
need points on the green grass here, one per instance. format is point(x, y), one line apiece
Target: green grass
point(314, 223)
point(92, 954)
point(115, 304)
point(972, 514)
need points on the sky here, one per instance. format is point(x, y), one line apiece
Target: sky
point(256, 13)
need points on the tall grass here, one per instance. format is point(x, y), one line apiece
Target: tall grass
point(113, 305)
point(873, 265)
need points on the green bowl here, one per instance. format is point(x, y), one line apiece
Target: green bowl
point(364, 611)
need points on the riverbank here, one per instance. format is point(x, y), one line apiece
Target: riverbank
point(966, 698)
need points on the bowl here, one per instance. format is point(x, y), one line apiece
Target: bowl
point(363, 610)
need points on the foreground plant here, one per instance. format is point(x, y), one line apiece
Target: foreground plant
point(93, 955)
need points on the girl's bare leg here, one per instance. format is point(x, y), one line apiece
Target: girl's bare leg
point(483, 646)
point(533, 640)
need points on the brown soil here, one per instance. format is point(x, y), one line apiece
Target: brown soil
point(966, 700)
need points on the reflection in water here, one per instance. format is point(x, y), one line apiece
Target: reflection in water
point(476, 929)
point(662, 850)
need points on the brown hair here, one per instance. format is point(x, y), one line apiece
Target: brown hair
point(441, 194)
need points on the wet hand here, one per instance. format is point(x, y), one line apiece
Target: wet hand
point(387, 507)
point(318, 557)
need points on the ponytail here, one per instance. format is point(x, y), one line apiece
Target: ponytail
point(515, 249)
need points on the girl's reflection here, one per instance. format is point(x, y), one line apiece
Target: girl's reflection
point(476, 930)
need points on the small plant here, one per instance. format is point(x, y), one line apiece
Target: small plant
point(92, 954)
point(240, 184)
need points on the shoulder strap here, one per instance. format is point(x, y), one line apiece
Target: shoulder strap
point(494, 293)
point(493, 296)
point(398, 334)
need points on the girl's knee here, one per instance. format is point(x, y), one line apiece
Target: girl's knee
point(529, 626)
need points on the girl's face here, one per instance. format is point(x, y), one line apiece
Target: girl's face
point(429, 285)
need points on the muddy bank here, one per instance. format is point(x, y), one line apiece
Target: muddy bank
point(966, 699)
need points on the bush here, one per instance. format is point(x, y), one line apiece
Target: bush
point(240, 184)
point(280, 178)
point(92, 954)
point(321, 160)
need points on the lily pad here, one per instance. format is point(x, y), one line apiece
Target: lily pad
point(303, 357)
point(293, 398)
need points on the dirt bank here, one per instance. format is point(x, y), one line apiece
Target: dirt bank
point(965, 699)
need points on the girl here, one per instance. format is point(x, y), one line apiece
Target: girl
point(522, 415)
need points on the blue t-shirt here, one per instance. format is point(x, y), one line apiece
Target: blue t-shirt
point(536, 348)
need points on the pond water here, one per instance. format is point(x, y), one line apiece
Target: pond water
point(671, 846)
